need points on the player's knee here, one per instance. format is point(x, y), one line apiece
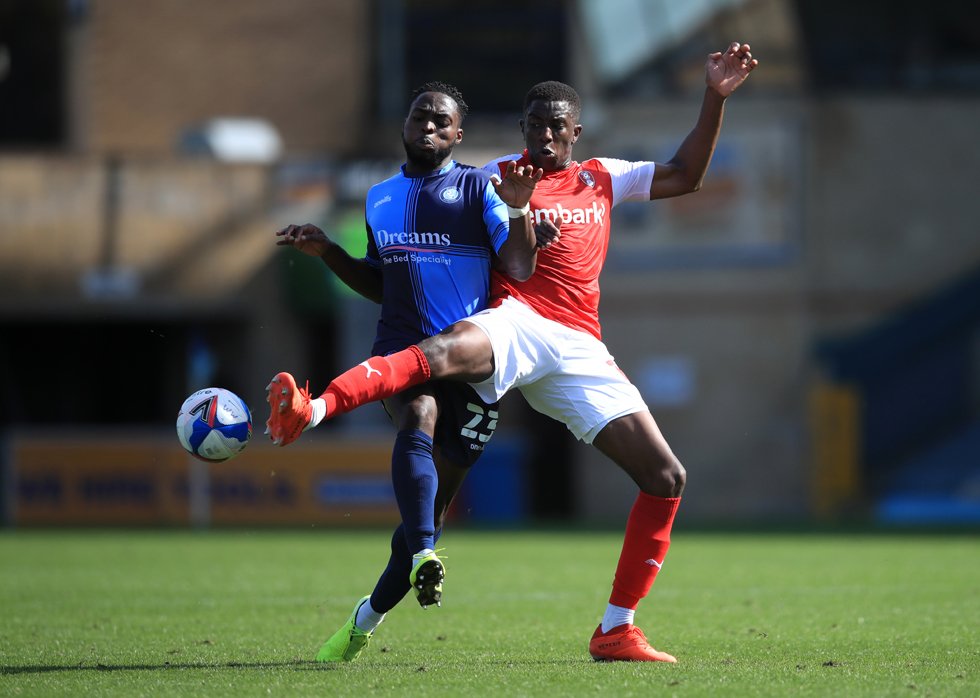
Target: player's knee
point(666, 477)
point(676, 477)
point(438, 355)
point(420, 414)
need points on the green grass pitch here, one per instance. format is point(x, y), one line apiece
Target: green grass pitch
point(233, 613)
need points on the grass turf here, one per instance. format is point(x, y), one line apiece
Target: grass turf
point(242, 613)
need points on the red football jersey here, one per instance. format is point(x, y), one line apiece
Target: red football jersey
point(565, 284)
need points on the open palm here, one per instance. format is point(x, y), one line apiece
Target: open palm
point(518, 184)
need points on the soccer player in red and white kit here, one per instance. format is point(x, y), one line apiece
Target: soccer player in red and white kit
point(543, 335)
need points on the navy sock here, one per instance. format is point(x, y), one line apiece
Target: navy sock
point(413, 475)
point(393, 584)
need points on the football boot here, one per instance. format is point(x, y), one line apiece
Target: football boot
point(624, 643)
point(290, 410)
point(346, 644)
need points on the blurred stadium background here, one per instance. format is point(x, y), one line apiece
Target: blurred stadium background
point(806, 329)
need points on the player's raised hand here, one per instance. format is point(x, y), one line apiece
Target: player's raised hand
point(547, 232)
point(517, 185)
point(724, 72)
point(306, 238)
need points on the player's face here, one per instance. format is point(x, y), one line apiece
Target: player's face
point(550, 130)
point(431, 131)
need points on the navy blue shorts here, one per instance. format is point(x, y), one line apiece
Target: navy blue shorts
point(465, 424)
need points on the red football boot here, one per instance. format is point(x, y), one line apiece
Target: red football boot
point(624, 643)
point(289, 409)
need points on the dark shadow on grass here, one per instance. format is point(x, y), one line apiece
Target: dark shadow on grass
point(50, 668)
point(296, 663)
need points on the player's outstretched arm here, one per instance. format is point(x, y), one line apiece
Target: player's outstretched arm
point(518, 255)
point(683, 174)
point(361, 277)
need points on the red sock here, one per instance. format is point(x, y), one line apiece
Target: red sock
point(375, 379)
point(644, 548)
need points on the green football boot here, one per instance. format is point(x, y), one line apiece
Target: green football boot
point(346, 644)
point(426, 579)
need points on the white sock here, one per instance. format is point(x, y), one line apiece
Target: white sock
point(616, 615)
point(367, 618)
point(319, 412)
point(420, 554)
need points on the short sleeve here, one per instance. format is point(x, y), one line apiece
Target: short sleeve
point(631, 181)
point(495, 217)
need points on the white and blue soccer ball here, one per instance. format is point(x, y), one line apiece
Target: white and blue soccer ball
point(214, 425)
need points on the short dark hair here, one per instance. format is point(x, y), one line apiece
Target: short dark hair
point(554, 91)
point(445, 88)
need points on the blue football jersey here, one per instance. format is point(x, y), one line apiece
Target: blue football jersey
point(432, 237)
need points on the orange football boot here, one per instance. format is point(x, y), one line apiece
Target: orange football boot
point(624, 643)
point(289, 409)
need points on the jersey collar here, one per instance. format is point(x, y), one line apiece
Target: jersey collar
point(444, 170)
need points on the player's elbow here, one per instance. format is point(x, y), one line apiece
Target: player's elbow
point(518, 265)
point(687, 187)
point(692, 182)
point(520, 270)
point(680, 179)
point(522, 274)
point(372, 292)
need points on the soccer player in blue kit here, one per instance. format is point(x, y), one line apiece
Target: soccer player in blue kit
point(434, 230)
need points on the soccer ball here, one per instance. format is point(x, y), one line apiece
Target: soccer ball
point(214, 425)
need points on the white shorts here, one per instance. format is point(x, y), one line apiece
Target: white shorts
point(566, 374)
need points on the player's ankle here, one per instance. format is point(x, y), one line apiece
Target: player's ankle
point(616, 616)
point(318, 412)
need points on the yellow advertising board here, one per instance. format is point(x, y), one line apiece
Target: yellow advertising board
point(67, 478)
point(306, 483)
point(95, 479)
point(835, 417)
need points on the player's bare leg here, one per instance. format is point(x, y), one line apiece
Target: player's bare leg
point(635, 443)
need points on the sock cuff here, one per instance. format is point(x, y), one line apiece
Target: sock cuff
point(415, 437)
point(624, 599)
point(423, 362)
point(661, 509)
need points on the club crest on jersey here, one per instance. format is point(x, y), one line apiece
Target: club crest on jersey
point(587, 178)
point(450, 194)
